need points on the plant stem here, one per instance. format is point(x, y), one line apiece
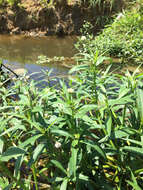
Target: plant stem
point(34, 175)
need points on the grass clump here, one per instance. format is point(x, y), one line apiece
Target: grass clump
point(122, 39)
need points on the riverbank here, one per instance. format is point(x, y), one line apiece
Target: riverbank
point(32, 18)
point(82, 133)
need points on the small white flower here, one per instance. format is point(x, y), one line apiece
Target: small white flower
point(70, 90)
point(46, 115)
point(83, 38)
point(26, 93)
point(16, 108)
point(57, 144)
point(14, 79)
point(26, 78)
point(119, 16)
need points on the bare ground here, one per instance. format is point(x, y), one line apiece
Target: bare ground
point(32, 18)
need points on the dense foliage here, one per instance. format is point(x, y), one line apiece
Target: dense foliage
point(122, 39)
point(10, 2)
point(85, 136)
point(86, 133)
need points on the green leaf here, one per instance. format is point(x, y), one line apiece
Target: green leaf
point(24, 100)
point(61, 133)
point(83, 177)
point(134, 183)
point(63, 107)
point(96, 147)
point(109, 125)
point(121, 101)
point(59, 165)
point(18, 164)
point(37, 109)
point(135, 186)
point(73, 162)
point(84, 109)
point(12, 152)
point(140, 103)
point(38, 150)
point(119, 134)
point(134, 150)
point(1, 145)
point(101, 59)
point(123, 91)
point(31, 140)
point(78, 68)
point(134, 141)
point(64, 184)
point(17, 127)
point(8, 187)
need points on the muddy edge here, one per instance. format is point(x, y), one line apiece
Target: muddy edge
point(32, 19)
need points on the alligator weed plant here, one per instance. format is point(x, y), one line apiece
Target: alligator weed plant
point(85, 136)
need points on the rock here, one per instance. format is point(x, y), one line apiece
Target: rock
point(33, 34)
point(15, 31)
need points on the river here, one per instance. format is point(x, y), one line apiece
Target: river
point(21, 52)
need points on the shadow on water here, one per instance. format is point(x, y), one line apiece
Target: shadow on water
point(21, 52)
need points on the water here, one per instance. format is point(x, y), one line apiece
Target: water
point(22, 52)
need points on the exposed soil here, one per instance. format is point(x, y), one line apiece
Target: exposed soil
point(61, 18)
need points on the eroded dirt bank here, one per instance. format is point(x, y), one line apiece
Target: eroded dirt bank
point(31, 18)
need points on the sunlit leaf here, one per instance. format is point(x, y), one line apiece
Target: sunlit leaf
point(64, 184)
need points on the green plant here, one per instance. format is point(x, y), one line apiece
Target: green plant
point(10, 2)
point(121, 39)
point(84, 136)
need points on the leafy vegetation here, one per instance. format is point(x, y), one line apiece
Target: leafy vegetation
point(10, 2)
point(85, 136)
point(122, 39)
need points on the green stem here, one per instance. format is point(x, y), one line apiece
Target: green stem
point(34, 176)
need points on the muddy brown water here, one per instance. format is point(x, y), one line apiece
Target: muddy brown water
point(20, 52)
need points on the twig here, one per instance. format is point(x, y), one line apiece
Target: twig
point(10, 70)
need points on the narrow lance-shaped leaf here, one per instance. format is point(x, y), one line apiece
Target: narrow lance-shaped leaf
point(73, 162)
point(140, 103)
point(59, 165)
point(61, 133)
point(134, 183)
point(17, 167)
point(12, 152)
point(1, 145)
point(84, 109)
point(64, 184)
point(109, 125)
point(96, 147)
point(38, 150)
point(134, 150)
